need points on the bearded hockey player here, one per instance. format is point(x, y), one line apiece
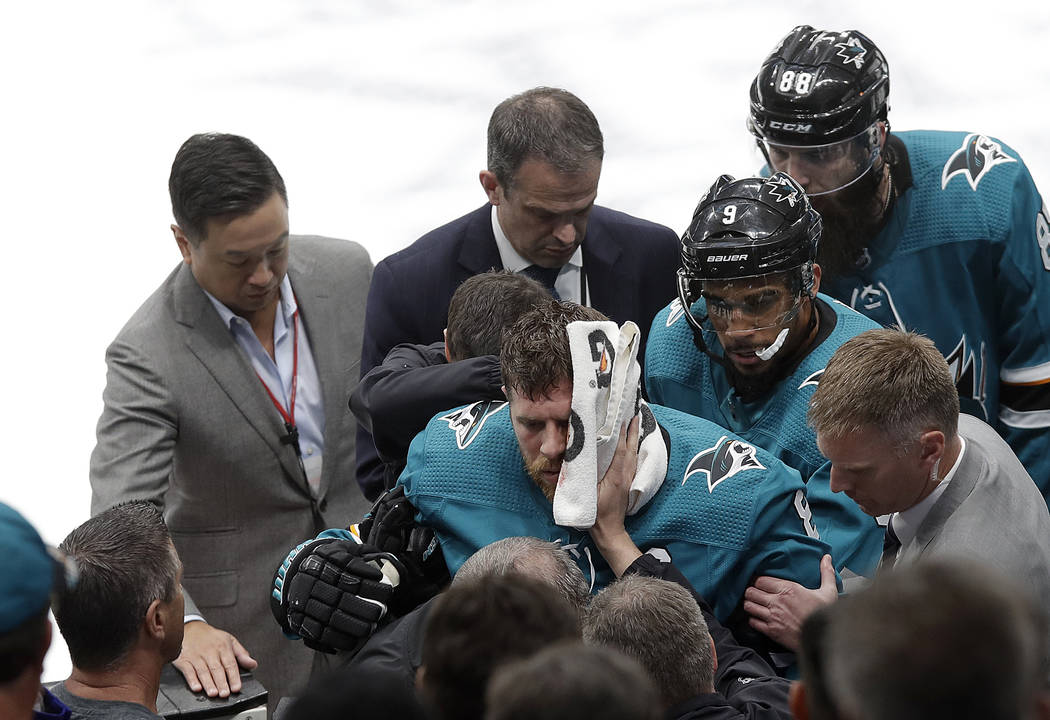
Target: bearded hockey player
point(724, 510)
point(746, 341)
point(943, 233)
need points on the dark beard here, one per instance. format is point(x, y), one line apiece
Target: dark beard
point(852, 218)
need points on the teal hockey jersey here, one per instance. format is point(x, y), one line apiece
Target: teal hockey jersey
point(679, 375)
point(965, 260)
point(726, 511)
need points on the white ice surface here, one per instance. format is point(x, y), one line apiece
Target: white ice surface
point(375, 113)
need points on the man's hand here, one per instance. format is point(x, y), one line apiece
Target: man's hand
point(614, 491)
point(211, 660)
point(778, 607)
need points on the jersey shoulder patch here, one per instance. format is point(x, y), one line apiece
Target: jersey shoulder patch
point(977, 155)
point(723, 460)
point(467, 422)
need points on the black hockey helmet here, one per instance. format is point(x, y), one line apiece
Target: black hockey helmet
point(819, 87)
point(754, 226)
point(745, 236)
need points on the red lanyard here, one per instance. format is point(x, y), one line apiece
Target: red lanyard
point(288, 415)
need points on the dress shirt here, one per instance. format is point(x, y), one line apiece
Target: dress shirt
point(906, 523)
point(277, 376)
point(569, 278)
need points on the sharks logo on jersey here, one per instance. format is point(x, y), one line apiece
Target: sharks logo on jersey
point(969, 376)
point(813, 379)
point(723, 461)
point(467, 422)
point(974, 159)
point(674, 312)
point(876, 302)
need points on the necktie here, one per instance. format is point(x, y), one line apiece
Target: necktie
point(891, 545)
point(544, 276)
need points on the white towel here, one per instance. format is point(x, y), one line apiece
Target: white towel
point(606, 395)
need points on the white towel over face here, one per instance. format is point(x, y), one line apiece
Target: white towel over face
point(606, 395)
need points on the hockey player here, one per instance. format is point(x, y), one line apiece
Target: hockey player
point(939, 232)
point(750, 350)
point(725, 510)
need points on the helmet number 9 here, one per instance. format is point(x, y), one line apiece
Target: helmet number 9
point(729, 214)
point(800, 83)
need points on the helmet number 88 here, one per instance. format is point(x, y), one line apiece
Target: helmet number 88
point(798, 82)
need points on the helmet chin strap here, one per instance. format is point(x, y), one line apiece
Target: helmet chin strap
point(766, 354)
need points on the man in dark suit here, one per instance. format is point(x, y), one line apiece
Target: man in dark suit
point(545, 153)
point(226, 404)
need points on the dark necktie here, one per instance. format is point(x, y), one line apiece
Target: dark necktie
point(544, 276)
point(891, 545)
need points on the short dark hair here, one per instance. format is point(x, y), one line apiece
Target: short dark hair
point(570, 681)
point(475, 627)
point(543, 560)
point(659, 624)
point(812, 664)
point(217, 174)
point(22, 646)
point(125, 561)
point(937, 639)
point(484, 306)
point(535, 353)
point(548, 124)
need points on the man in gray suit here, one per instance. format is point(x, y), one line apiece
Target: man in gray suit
point(226, 404)
point(886, 414)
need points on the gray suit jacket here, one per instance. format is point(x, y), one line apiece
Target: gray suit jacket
point(188, 425)
point(991, 512)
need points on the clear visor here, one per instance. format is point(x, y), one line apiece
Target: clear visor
point(823, 169)
point(748, 304)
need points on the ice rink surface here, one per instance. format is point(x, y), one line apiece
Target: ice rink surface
point(375, 114)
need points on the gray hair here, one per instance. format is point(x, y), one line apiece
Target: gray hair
point(659, 624)
point(539, 559)
point(894, 381)
point(125, 561)
point(545, 123)
point(939, 639)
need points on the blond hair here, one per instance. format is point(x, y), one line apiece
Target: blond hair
point(892, 380)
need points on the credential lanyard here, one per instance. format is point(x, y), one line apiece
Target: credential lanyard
point(292, 438)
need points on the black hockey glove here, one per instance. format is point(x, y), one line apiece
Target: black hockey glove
point(391, 527)
point(332, 592)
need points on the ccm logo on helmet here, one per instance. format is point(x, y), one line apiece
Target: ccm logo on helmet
point(792, 127)
point(726, 258)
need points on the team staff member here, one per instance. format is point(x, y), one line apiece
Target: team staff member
point(545, 153)
point(225, 403)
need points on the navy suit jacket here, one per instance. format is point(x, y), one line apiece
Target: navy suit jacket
point(629, 264)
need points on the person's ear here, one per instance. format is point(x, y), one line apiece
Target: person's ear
point(184, 244)
point(493, 189)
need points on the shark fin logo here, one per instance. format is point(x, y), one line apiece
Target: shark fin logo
point(813, 379)
point(723, 461)
point(852, 52)
point(467, 422)
point(781, 189)
point(676, 311)
point(974, 159)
